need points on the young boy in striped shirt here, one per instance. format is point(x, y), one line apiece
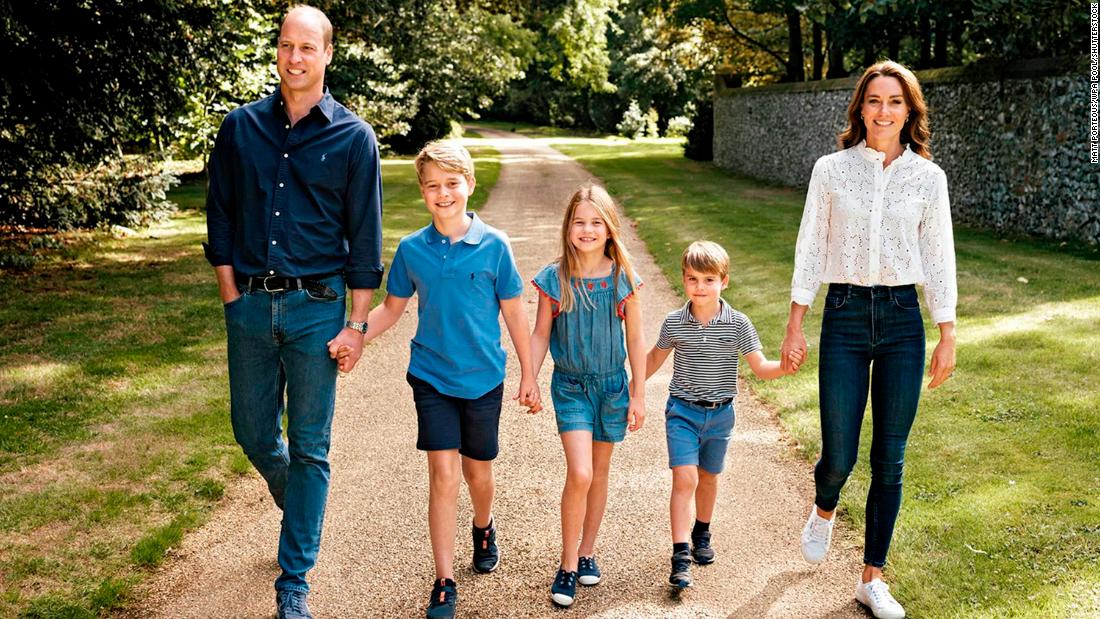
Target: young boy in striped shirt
point(707, 335)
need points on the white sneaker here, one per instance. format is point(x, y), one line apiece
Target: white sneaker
point(816, 537)
point(876, 596)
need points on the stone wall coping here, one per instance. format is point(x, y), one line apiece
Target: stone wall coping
point(984, 71)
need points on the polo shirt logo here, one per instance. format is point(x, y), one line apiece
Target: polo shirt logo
point(323, 156)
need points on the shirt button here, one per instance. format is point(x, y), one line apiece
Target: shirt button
point(286, 126)
point(276, 213)
point(271, 272)
point(274, 242)
point(285, 155)
point(280, 184)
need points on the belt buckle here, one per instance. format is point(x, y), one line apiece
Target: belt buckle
point(266, 289)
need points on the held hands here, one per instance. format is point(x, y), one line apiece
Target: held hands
point(793, 351)
point(528, 395)
point(346, 348)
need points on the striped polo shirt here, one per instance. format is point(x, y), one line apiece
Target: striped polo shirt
point(705, 362)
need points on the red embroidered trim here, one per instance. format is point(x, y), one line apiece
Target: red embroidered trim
point(622, 304)
point(555, 307)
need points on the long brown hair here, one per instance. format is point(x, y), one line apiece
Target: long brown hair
point(569, 263)
point(915, 133)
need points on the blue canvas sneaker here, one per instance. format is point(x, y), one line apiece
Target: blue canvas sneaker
point(588, 573)
point(564, 588)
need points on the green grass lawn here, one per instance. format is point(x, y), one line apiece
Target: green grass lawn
point(114, 427)
point(1002, 510)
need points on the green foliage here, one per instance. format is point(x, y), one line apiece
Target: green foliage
point(409, 83)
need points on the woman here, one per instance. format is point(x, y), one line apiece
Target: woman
point(877, 221)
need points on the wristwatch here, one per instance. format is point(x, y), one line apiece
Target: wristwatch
point(358, 326)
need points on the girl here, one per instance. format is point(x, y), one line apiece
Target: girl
point(585, 298)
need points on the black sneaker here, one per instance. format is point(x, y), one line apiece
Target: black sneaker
point(291, 605)
point(486, 553)
point(564, 588)
point(680, 578)
point(444, 599)
point(700, 548)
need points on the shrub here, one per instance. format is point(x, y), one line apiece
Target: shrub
point(128, 191)
point(633, 124)
point(678, 126)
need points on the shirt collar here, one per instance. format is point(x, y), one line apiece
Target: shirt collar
point(327, 105)
point(871, 154)
point(724, 316)
point(473, 236)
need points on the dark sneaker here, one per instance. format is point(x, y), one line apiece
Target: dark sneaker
point(564, 588)
point(292, 605)
point(700, 548)
point(444, 599)
point(588, 573)
point(680, 578)
point(486, 553)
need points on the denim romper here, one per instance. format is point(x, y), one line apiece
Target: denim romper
point(589, 388)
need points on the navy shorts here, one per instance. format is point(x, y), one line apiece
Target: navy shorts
point(446, 422)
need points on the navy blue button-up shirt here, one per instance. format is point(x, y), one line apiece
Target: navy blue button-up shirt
point(296, 201)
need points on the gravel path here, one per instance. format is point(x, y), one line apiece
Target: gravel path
point(375, 560)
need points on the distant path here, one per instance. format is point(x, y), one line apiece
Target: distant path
point(375, 559)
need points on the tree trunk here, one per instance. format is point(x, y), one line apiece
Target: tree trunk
point(924, 31)
point(893, 38)
point(796, 71)
point(819, 56)
point(795, 62)
point(943, 30)
point(834, 42)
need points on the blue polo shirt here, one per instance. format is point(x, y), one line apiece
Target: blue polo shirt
point(460, 285)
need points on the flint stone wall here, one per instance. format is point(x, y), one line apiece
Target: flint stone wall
point(1012, 139)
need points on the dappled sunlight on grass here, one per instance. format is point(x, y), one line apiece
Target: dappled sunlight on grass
point(1035, 319)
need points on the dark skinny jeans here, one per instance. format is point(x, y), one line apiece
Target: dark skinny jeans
point(872, 339)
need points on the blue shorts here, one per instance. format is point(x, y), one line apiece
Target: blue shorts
point(446, 422)
point(697, 435)
point(596, 403)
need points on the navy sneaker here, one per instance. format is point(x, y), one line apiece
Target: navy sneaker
point(588, 573)
point(444, 599)
point(564, 588)
point(700, 548)
point(486, 553)
point(680, 578)
point(292, 605)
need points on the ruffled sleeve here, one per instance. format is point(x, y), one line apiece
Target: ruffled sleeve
point(623, 292)
point(546, 282)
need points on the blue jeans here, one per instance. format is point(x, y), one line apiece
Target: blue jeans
point(870, 337)
point(278, 347)
point(697, 435)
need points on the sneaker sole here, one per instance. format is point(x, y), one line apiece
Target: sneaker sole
point(561, 600)
point(677, 588)
point(704, 561)
point(812, 561)
point(589, 581)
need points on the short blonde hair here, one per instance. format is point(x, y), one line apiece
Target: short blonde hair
point(449, 155)
point(706, 257)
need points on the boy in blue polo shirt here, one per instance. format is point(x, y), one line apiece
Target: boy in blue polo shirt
point(464, 273)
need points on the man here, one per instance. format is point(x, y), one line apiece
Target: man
point(294, 216)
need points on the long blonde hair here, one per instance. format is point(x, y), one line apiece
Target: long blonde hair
point(915, 133)
point(569, 263)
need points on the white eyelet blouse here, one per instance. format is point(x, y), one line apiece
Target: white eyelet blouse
point(868, 226)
